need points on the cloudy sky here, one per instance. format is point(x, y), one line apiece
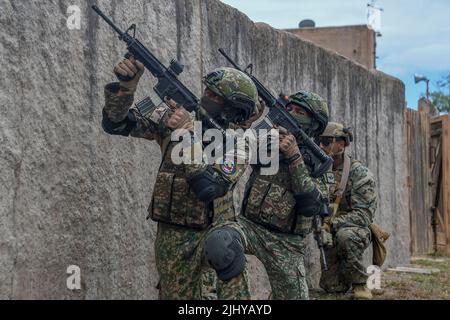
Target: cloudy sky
point(415, 33)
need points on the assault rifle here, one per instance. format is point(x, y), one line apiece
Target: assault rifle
point(314, 157)
point(168, 85)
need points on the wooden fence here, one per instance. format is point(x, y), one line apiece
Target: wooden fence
point(428, 143)
point(440, 183)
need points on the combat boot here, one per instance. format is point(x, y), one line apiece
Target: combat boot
point(361, 292)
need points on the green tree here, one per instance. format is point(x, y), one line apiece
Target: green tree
point(441, 97)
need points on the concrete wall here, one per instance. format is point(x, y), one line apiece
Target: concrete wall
point(71, 194)
point(357, 43)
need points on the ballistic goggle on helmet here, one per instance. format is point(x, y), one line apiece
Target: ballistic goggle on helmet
point(238, 91)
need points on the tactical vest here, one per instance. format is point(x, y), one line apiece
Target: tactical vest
point(173, 202)
point(270, 202)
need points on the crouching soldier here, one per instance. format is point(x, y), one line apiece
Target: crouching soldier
point(353, 203)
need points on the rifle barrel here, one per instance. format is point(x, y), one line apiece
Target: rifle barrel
point(101, 14)
point(229, 59)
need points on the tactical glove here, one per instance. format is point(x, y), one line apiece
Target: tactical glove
point(288, 146)
point(327, 238)
point(180, 117)
point(326, 225)
point(129, 68)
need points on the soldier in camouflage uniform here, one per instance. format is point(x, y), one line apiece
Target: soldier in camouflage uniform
point(351, 218)
point(191, 203)
point(278, 209)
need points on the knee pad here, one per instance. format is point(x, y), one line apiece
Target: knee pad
point(225, 253)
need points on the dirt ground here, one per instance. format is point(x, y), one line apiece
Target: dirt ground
point(409, 286)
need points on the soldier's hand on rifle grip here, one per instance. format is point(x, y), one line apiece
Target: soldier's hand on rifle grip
point(326, 225)
point(179, 118)
point(129, 68)
point(327, 238)
point(288, 145)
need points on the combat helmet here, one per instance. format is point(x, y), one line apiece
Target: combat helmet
point(238, 91)
point(337, 130)
point(316, 105)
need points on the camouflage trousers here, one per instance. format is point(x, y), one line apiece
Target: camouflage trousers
point(181, 264)
point(345, 266)
point(282, 256)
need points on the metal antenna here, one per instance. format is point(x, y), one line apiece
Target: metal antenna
point(374, 16)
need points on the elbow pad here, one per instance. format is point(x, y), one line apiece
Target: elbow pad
point(309, 204)
point(122, 128)
point(208, 184)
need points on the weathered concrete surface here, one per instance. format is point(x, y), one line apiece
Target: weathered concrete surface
point(72, 195)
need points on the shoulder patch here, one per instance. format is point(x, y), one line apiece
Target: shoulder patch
point(329, 177)
point(228, 167)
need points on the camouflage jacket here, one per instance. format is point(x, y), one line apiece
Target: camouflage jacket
point(117, 108)
point(359, 202)
point(301, 181)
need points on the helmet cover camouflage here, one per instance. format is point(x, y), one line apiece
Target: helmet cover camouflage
point(235, 87)
point(315, 104)
point(337, 130)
